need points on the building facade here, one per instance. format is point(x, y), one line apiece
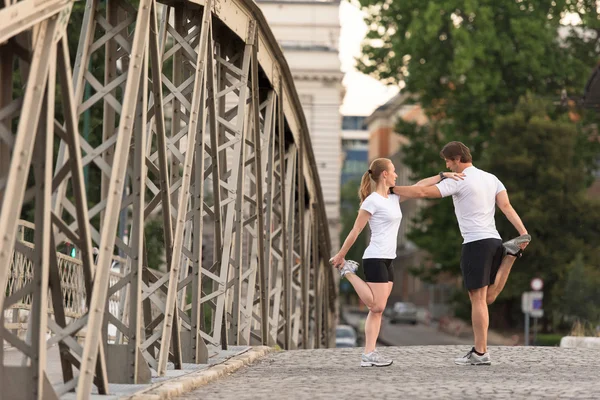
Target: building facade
point(308, 32)
point(355, 149)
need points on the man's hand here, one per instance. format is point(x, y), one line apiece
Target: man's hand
point(337, 261)
point(457, 176)
point(523, 245)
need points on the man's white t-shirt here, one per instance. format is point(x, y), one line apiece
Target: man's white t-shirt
point(474, 203)
point(384, 223)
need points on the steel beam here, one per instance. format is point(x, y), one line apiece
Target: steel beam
point(114, 197)
point(183, 202)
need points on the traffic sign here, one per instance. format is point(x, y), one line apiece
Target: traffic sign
point(537, 284)
point(531, 304)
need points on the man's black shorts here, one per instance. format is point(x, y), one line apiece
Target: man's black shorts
point(378, 270)
point(480, 261)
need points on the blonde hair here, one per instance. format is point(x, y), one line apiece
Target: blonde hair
point(372, 176)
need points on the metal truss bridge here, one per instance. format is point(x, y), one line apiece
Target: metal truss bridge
point(116, 115)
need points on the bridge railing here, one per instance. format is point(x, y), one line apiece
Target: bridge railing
point(72, 285)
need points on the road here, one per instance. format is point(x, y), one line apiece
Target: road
point(418, 372)
point(417, 335)
point(408, 335)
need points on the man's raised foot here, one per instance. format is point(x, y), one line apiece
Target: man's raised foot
point(513, 246)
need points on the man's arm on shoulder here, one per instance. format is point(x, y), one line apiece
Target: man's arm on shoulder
point(431, 188)
point(418, 192)
point(504, 204)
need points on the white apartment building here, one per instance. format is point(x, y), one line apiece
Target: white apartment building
point(308, 32)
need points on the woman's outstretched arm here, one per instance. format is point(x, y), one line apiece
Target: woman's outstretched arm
point(359, 224)
point(425, 188)
point(434, 180)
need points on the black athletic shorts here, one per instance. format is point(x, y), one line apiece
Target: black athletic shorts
point(479, 262)
point(378, 270)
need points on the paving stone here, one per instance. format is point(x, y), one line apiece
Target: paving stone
point(418, 372)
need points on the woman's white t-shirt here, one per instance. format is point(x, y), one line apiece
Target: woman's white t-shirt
point(384, 223)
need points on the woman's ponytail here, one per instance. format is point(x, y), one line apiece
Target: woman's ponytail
point(366, 186)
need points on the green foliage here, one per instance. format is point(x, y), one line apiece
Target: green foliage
point(548, 339)
point(155, 243)
point(544, 165)
point(350, 205)
point(581, 292)
point(479, 52)
point(468, 61)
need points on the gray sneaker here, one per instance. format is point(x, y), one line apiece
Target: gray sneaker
point(472, 358)
point(374, 359)
point(349, 267)
point(513, 246)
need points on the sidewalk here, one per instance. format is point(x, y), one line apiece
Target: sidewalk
point(174, 383)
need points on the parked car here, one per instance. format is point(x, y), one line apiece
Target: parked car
point(403, 312)
point(345, 336)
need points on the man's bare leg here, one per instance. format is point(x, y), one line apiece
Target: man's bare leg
point(501, 277)
point(479, 318)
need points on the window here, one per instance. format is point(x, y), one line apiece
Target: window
point(353, 123)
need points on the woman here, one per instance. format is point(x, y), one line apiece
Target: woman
point(381, 208)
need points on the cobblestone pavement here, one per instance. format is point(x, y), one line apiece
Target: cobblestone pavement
point(418, 372)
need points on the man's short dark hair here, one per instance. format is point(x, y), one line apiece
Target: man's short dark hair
point(454, 150)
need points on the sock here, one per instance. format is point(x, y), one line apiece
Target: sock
point(478, 353)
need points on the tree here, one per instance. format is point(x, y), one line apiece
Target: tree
point(581, 292)
point(468, 61)
point(543, 163)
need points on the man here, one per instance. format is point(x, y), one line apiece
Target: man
point(485, 261)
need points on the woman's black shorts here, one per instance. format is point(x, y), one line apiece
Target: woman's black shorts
point(480, 261)
point(378, 270)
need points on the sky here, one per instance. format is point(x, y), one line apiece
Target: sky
point(363, 93)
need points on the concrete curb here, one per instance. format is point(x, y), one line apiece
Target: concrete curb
point(580, 341)
point(181, 385)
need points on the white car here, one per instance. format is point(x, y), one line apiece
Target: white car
point(403, 312)
point(345, 336)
